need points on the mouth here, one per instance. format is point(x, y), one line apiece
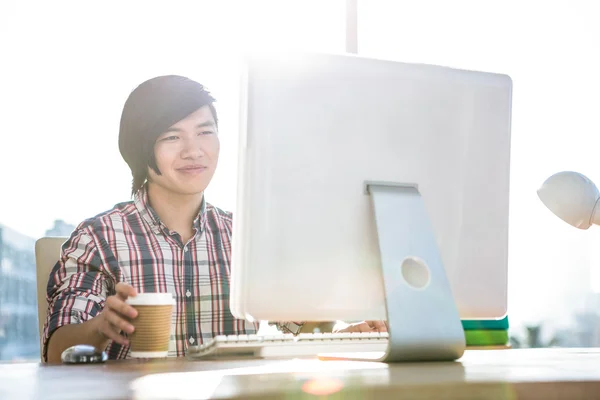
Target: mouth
point(192, 169)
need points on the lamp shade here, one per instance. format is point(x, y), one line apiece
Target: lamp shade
point(572, 197)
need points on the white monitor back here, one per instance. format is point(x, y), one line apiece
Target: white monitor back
point(314, 128)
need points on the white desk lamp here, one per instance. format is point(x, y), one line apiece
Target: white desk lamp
point(572, 197)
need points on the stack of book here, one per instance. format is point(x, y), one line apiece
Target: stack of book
point(486, 334)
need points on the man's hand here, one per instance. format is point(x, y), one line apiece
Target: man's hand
point(366, 326)
point(116, 315)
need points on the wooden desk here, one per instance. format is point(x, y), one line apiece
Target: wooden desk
point(480, 374)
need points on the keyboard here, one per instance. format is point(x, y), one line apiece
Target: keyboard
point(287, 345)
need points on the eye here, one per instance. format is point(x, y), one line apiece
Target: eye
point(208, 132)
point(169, 138)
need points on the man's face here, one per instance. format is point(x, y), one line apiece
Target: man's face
point(187, 154)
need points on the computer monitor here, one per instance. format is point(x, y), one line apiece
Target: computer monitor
point(424, 245)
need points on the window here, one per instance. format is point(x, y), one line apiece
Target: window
point(73, 65)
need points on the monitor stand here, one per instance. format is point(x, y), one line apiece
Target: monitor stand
point(423, 320)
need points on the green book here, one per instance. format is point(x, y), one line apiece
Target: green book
point(485, 324)
point(486, 337)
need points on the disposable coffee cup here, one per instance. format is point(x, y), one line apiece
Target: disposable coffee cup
point(150, 338)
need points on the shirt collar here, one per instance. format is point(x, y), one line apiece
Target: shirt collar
point(142, 204)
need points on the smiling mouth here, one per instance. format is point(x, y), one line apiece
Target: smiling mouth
point(192, 169)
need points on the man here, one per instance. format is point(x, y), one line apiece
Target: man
point(168, 239)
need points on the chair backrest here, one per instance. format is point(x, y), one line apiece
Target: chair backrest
point(47, 252)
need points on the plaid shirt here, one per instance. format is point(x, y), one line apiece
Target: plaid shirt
point(130, 244)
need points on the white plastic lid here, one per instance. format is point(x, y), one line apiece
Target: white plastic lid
point(151, 299)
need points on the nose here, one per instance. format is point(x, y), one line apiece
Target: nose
point(192, 150)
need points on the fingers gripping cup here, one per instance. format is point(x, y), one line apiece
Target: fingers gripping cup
point(152, 325)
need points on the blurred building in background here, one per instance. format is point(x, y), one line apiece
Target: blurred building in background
point(19, 338)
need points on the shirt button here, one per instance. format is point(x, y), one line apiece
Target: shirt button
point(188, 293)
point(192, 340)
point(185, 249)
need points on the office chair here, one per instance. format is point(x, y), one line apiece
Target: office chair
point(47, 252)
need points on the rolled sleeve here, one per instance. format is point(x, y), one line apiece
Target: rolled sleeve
point(77, 287)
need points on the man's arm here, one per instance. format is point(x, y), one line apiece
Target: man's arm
point(76, 292)
point(79, 308)
point(363, 326)
point(330, 326)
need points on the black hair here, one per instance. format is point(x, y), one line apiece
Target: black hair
point(152, 108)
